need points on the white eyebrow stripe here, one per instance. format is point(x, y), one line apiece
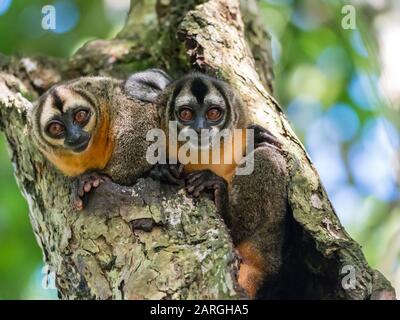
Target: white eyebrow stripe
point(48, 112)
point(219, 101)
point(73, 102)
point(185, 100)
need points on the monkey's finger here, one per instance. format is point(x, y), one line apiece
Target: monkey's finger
point(193, 176)
point(268, 137)
point(78, 204)
point(155, 175)
point(191, 187)
point(181, 183)
point(96, 183)
point(105, 179)
point(263, 135)
point(174, 169)
point(196, 183)
point(215, 184)
point(193, 180)
point(159, 176)
point(78, 188)
point(198, 190)
point(87, 187)
point(267, 145)
point(211, 184)
point(81, 192)
point(168, 177)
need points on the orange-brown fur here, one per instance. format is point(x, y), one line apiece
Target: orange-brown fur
point(224, 170)
point(252, 269)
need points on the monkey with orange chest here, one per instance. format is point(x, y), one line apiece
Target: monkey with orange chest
point(93, 129)
point(254, 206)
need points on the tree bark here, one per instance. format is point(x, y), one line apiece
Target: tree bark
point(185, 251)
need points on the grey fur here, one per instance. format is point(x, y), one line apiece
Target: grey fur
point(147, 85)
point(132, 122)
point(258, 205)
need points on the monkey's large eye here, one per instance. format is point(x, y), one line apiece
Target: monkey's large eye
point(214, 114)
point(56, 129)
point(81, 116)
point(185, 114)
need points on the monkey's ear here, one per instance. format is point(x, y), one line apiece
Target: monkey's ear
point(147, 85)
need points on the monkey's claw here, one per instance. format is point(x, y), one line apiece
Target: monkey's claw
point(263, 137)
point(169, 173)
point(199, 181)
point(82, 187)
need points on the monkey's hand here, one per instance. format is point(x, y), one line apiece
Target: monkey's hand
point(169, 173)
point(263, 137)
point(83, 185)
point(206, 180)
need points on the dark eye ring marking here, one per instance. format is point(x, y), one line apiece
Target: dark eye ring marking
point(81, 116)
point(185, 114)
point(214, 113)
point(55, 129)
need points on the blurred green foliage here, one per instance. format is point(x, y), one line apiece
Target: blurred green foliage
point(325, 77)
point(19, 253)
point(328, 79)
point(21, 33)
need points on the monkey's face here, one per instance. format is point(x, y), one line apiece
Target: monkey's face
point(67, 120)
point(201, 103)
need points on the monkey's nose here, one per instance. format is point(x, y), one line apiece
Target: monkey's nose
point(77, 143)
point(73, 139)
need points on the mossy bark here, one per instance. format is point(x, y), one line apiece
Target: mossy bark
point(186, 251)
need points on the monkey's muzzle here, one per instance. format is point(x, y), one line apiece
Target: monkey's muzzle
point(78, 143)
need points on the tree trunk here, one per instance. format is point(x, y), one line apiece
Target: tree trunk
point(186, 251)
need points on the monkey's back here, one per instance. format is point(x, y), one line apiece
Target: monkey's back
point(131, 120)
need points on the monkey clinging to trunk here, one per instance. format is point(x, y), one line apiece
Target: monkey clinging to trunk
point(93, 129)
point(254, 206)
